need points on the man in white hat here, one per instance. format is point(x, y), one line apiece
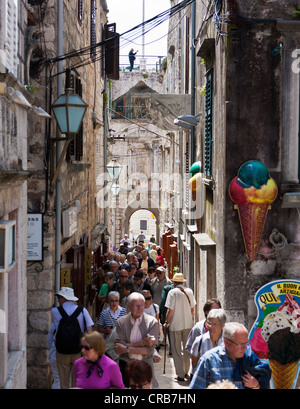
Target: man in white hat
point(180, 304)
point(67, 305)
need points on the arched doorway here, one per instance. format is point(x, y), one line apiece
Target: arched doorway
point(130, 212)
point(142, 221)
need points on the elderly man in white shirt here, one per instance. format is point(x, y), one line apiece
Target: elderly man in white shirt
point(180, 303)
point(136, 334)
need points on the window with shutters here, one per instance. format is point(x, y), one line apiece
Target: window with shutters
point(93, 29)
point(187, 174)
point(208, 124)
point(9, 36)
point(75, 148)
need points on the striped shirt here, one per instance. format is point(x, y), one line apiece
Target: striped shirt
point(108, 318)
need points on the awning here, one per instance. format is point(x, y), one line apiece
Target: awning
point(203, 240)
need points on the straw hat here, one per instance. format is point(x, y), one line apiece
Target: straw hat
point(67, 293)
point(178, 278)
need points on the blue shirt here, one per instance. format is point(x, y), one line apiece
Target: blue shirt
point(216, 365)
point(109, 319)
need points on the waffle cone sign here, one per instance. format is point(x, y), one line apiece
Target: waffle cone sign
point(252, 220)
point(252, 191)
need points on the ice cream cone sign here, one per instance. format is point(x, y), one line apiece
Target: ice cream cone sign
point(275, 335)
point(252, 191)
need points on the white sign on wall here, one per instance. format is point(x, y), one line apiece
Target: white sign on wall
point(34, 237)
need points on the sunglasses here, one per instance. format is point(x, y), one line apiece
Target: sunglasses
point(86, 347)
point(148, 298)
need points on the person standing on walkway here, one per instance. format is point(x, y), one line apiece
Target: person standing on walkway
point(180, 319)
point(68, 335)
point(212, 338)
point(158, 283)
point(145, 262)
point(136, 334)
point(95, 370)
point(201, 326)
point(234, 361)
point(108, 317)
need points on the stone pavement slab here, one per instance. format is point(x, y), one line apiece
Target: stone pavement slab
point(167, 380)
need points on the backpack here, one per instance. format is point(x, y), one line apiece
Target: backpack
point(69, 332)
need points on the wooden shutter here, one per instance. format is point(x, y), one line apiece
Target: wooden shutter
point(208, 124)
point(9, 36)
point(75, 148)
point(112, 52)
point(80, 11)
point(93, 29)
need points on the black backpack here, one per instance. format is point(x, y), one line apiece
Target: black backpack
point(69, 333)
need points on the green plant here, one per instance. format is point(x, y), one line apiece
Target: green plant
point(297, 11)
point(105, 98)
point(202, 90)
point(32, 89)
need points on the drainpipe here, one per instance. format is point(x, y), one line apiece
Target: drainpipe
point(192, 132)
point(105, 130)
point(59, 147)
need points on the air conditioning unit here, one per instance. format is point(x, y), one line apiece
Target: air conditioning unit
point(7, 245)
point(69, 222)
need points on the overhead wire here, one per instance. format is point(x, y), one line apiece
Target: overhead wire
point(133, 33)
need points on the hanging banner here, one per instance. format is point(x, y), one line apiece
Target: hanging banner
point(275, 335)
point(88, 266)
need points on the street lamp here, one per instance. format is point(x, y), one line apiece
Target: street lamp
point(69, 110)
point(115, 189)
point(114, 170)
point(187, 121)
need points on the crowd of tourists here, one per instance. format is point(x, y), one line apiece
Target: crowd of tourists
point(143, 306)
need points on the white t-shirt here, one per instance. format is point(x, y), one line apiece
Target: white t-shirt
point(152, 310)
point(177, 301)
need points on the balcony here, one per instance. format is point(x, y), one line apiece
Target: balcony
point(147, 63)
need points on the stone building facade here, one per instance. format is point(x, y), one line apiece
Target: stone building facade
point(74, 231)
point(241, 76)
point(53, 230)
point(15, 102)
point(137, 144)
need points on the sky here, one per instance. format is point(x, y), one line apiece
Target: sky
point(129, 13)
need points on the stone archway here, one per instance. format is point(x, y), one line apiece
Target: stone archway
point(129, 212)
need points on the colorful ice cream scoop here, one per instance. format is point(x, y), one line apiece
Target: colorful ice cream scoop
point(253, 190)
point(253, 185)
point(276, 321)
